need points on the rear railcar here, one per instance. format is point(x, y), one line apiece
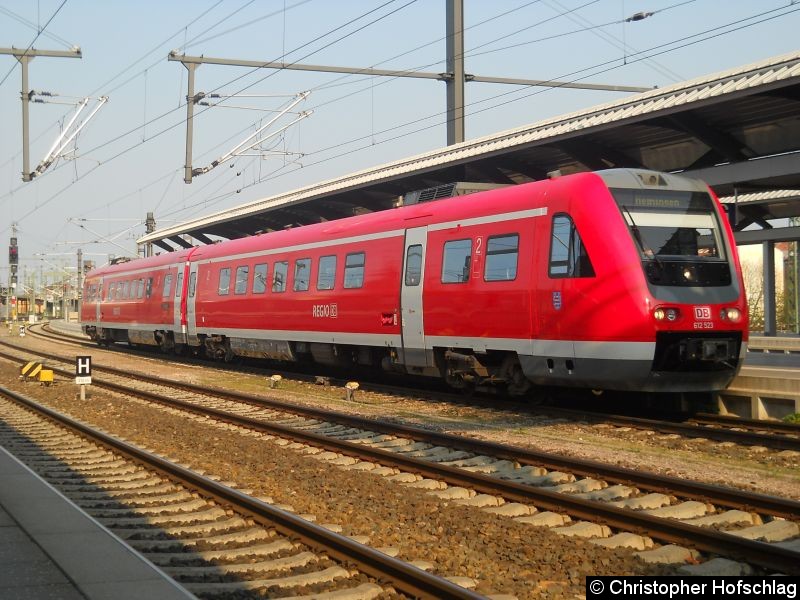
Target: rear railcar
point(138, 302)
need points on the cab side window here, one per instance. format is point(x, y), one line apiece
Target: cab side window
point(568, 256)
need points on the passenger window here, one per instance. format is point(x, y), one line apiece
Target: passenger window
point(456, 261)
point(224, 281)
point(179, 285)
point(568, 257)
point(502, 254)
point(260, 279)
point(414, 265)
point(167, 286)
point(302, 274)
point(192, 284)
point(242, 273)
point(148, 287)
point(140, 289)
point(279, 276)
point(354, 270)
point(327, 273)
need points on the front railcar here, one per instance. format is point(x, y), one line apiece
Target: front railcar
point(696, 298)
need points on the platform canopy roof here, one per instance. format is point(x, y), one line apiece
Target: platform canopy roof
point(739, 130)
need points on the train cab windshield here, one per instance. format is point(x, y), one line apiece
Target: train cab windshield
point(678, 236)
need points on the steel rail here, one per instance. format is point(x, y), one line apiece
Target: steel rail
point(711, 419)
point(778, 442)
point(765, 555)
point(723, 496)
point(693, 427)
point(403, 576)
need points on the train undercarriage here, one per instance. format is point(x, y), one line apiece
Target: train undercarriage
point(460, 368)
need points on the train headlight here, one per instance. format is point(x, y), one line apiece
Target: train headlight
point(666, 314)
point(733, 315)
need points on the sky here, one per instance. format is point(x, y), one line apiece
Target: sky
point(128, 159)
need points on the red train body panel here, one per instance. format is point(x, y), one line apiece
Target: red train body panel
point(620, 279)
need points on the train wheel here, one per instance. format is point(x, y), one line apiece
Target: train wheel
point(457, 380)
point(516, 382)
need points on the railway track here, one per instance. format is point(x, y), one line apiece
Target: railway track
point(213, 539)
point(613, 505)
point(750, 432)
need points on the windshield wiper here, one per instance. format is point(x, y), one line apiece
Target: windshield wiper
point(647, 252)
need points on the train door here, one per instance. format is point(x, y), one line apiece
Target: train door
point(191, 297)
point(98, 301)
point(179, 305)
point(413, 330)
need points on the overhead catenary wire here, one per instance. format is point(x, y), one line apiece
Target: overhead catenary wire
point(411, 123)
point(33, 41)
point(168, 128)
point(604, 67)
point(31, 25)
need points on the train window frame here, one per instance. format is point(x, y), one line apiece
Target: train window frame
point(167, 291)
point(453, 260)
point(192, 284)
point(492, 253)
point(260, 278)
point(300, 283)
point(241, 280)
point(280, 273)
point(179, 284)
point(354, 271)
point(326, 277)
point(577, 256)
point(224, 281)
point(413, 270)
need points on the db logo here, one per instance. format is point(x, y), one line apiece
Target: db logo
point(702, 313)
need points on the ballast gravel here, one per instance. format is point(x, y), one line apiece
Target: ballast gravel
point(502, 555)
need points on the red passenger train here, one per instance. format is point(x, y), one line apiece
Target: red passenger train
point(619, 280)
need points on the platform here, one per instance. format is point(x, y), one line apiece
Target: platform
point(68, 328)
point(49, 548)
point(762, 393)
